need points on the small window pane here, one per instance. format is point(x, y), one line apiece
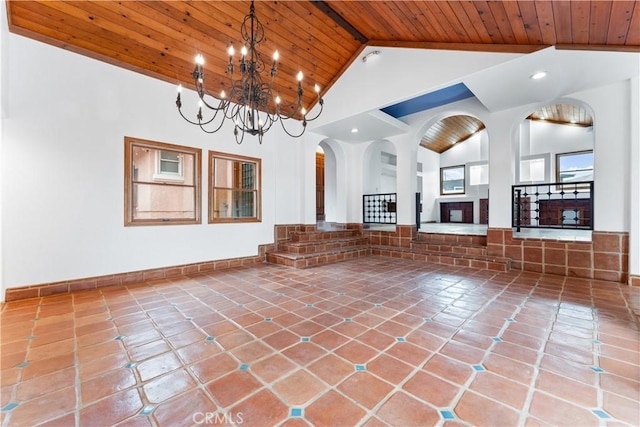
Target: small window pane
point(162, 202)
point(235, 188)
point(162, 183)
point(452, 180)
point(575, 167)
point(169, 162)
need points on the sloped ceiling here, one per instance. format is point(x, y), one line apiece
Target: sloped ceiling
point(326, 39)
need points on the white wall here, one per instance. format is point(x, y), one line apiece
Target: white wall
point(612, 146)
point(379, 178)
point(430, 183)
point(62, 171)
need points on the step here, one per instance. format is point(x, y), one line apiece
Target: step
point(483, 262)
point(446, 247)
point(306, 260)
point(321, 245)
point(310, 236)
point(473, 239)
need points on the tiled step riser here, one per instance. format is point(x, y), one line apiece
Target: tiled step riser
point(453, 238)
point(461, 250)
point(460, 261)
point(298, 248)
point(318, 259)
point(298, 236)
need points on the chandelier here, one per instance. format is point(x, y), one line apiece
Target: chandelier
point(251, 103)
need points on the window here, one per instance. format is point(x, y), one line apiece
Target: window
point(234, 188)
point(162, 183)
point(479, 174)
point(574, 167)
point(452, 180)
point(169, 165)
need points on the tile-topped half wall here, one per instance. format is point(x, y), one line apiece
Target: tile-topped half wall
point(606, 257)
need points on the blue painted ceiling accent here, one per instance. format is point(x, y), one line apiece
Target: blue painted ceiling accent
point(430, 100)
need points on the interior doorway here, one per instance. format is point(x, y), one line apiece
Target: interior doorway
point(320, 214)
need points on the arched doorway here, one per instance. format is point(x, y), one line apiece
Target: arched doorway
point(453, 172)
point(555, 171)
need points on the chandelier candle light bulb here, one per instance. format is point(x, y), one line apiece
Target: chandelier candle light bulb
point(250, 101)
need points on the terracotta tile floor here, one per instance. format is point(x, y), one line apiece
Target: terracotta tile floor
point(374, 341)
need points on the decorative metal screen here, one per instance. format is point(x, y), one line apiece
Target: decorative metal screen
point(379, 208)
point(555, 205)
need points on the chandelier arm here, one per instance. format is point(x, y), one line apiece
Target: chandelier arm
point(321, 102)
point(304, 127)
point(235, 134)
point(198, 123)
point(221, 102)
point(203, 124)
point(296, 109)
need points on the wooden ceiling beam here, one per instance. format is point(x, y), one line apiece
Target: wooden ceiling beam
point(338, 19)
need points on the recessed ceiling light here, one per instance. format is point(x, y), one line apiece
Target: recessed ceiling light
point(354, 130)
point(538, 75)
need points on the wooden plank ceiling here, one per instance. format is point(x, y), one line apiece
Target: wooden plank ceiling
point(445, 133)
point(321, 38)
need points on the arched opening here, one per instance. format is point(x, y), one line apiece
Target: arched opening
point(453, 175)
point(326, 186)
point(554, 173)
point(380, 186)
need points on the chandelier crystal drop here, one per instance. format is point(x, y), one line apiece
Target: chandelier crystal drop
point(249, 101)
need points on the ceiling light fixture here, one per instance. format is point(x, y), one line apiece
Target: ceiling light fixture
point(354, 130)
point(251, 103)
point(538, 75)
point(371, 55)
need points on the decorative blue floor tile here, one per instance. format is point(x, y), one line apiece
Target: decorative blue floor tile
point(9, 407)
point(111, 318)
point(280, 294)
point(510, 319)
point(305, 339)
point(130, 365)
point(401, 339)
point(447, 415)
point(210, 338)
point(361, 368)
point(30, 337)
point(497, 339)
point(188, 319)
point(341, 294)
point(378, 305)
point(119, 338)
point(244, 367)
point(309, 305)
point(240, 305)
point(596, 342)
point(22, 365)
point(268, 319)
point(348, 319)
point(601, 414)
point(147, 410)
point(296, 412)
point(479, 368)
point(427, 319)
point(597, 369)
point(36, 318)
